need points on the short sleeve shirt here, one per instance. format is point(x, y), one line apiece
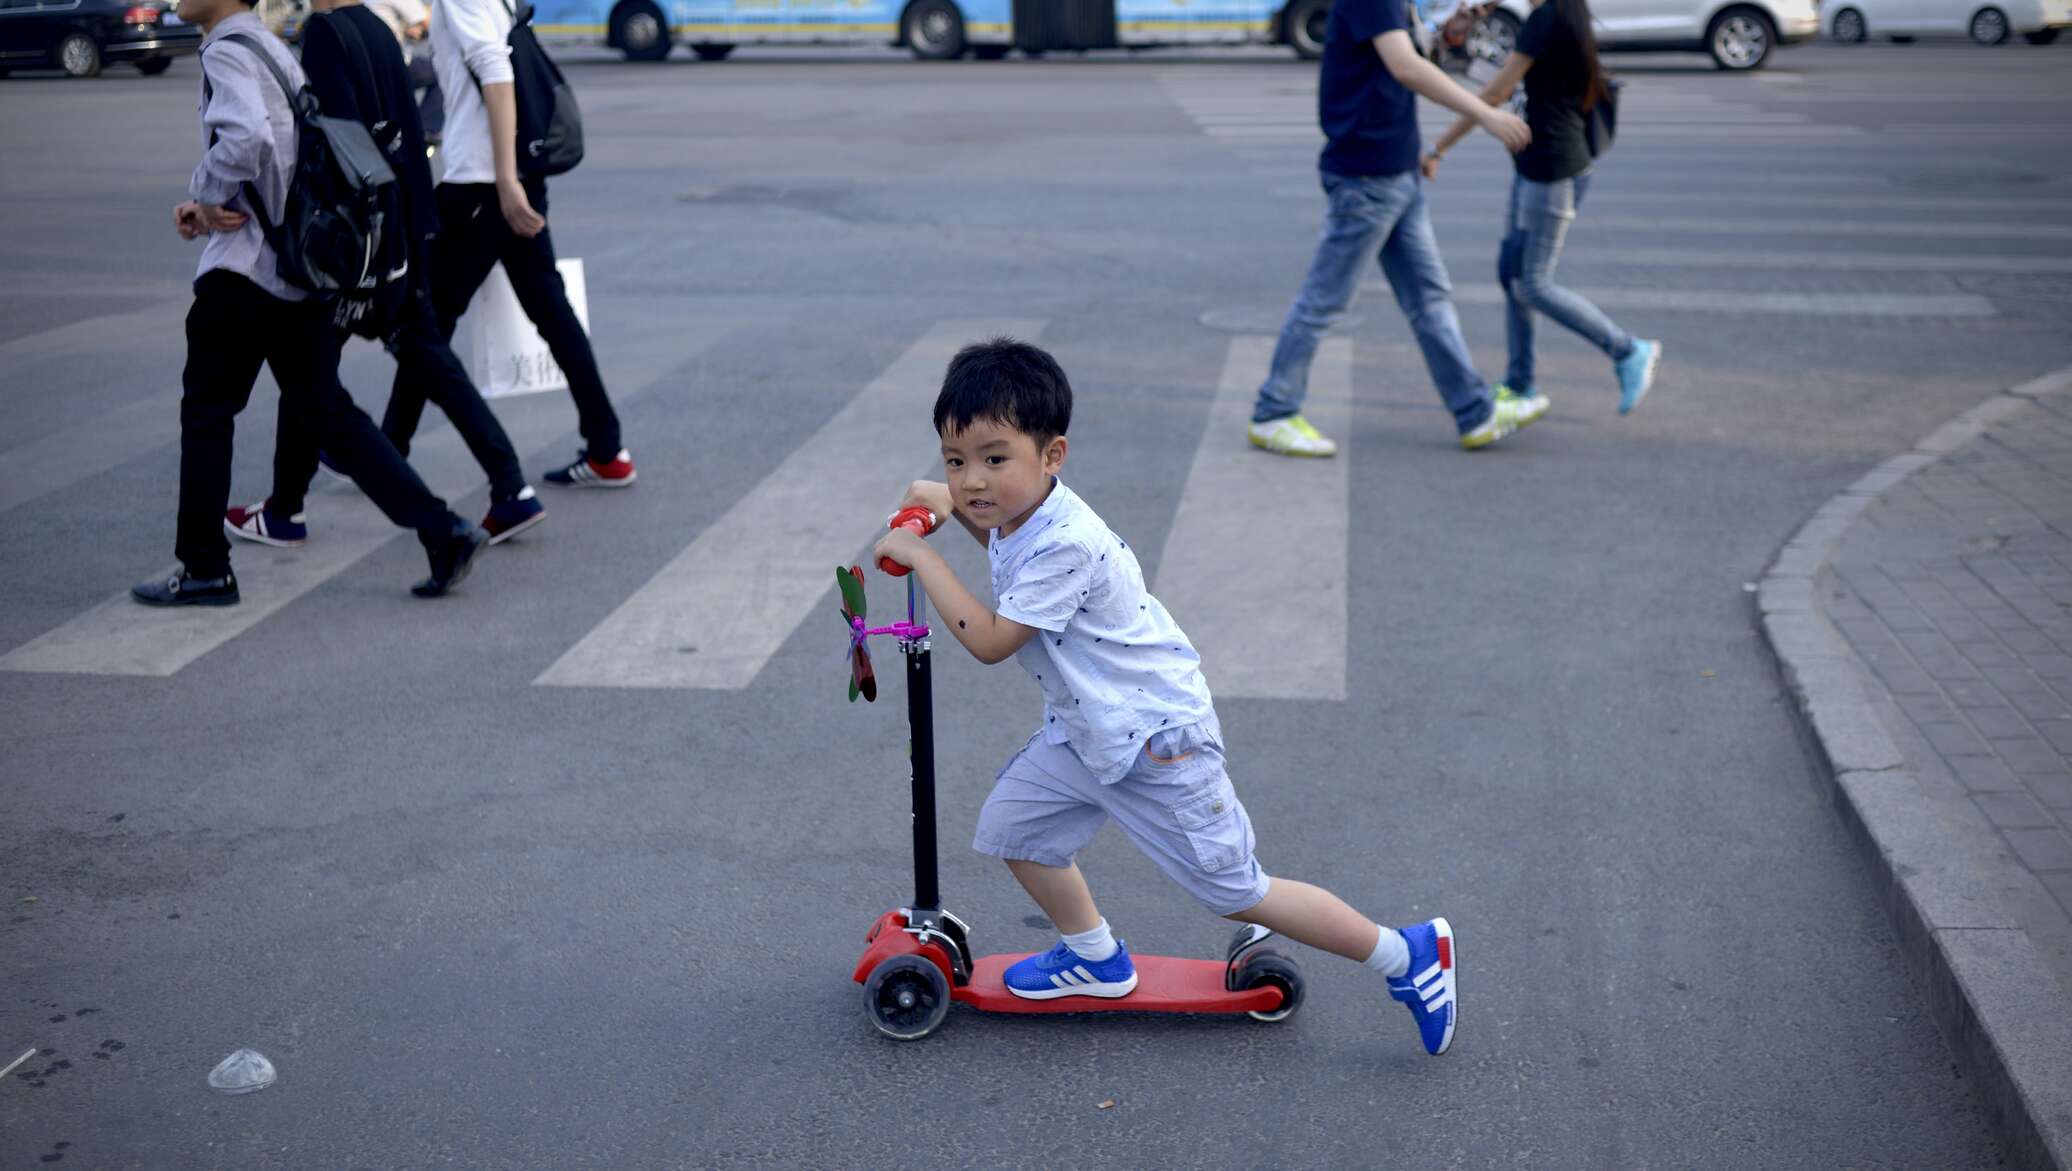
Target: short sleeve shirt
point(1369, 119)
point(1554, 89)
point(1114, 667)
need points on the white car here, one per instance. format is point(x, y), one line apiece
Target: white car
point(1738, 34)
point(1989, 22)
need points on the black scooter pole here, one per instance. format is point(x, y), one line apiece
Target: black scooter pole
point(921, 729)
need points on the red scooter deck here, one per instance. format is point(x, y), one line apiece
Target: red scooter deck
point(1164, 984)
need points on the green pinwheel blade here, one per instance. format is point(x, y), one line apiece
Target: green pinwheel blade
point(853, 596)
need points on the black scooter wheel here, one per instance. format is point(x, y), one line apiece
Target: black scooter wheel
point(906, 997)
point(1263, 967)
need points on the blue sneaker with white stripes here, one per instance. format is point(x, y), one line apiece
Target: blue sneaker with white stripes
point(1428, 988)
point(1060, 972)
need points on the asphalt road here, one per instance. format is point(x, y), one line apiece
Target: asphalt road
point(479, 922)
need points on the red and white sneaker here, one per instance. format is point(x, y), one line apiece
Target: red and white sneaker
point(588, 473)
point(264, 524)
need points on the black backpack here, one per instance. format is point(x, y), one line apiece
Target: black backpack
point(341, 236)
point(550, 127)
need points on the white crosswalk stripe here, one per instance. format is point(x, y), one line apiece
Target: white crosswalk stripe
point(807, 516)
point(1273, 625)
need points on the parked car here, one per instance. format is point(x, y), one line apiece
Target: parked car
point(80, 36)
point(1989, 22)
point(1737, 34)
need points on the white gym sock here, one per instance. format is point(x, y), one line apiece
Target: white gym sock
point(1391, 955)
point(1099, 944)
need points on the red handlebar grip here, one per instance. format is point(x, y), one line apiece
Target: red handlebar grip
point(920, 522)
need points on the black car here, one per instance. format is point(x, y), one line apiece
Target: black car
point(79, 36)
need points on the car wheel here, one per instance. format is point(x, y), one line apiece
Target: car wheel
point(1849, 28)
point(935, 30)
point(642, 34)
point(78, 56)
point(1307, 23)
point(1493, 37)
point(1739, 39)
point(2042, 36)
point(712, 52)
point(153, 66)
point(1989, 26)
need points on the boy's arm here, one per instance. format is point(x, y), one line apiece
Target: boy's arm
point(1496, 93)
point(1422, 77)
point(989, 637)
point(234, 124)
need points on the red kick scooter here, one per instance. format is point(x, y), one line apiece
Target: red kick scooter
point(918, 959)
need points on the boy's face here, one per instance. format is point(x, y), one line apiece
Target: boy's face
point(998, 475)
point(207, 12)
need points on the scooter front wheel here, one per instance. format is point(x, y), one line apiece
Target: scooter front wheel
point(906, 997)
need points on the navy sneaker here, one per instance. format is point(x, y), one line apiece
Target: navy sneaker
point(267, 525)
point(508, 518)
point(1428, 988)
point(1060, 972)
point(1636, 373)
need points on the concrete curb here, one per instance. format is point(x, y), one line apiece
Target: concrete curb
point(1944, 879)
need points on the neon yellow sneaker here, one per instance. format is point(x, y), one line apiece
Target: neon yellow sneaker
point(1291, 435)
point(1506, 416)
point(1533, 401)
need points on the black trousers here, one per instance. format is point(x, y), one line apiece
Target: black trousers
point(473, 238)
point(233, 326)
point(425, 361)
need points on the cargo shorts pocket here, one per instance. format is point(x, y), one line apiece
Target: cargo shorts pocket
point(1215, 825)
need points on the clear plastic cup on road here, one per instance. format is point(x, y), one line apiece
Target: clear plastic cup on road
point(242, 1072)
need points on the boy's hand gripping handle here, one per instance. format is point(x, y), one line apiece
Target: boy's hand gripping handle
point(920, 522)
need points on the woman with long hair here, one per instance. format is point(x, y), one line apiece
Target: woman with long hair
point(1556, 58)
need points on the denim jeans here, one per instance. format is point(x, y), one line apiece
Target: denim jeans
point(1374, 215)
point(1538, 220)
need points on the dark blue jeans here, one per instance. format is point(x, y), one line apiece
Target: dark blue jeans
point(1535, 226)
point(1374, 216)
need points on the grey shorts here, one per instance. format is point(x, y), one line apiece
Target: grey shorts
point(1176, 804)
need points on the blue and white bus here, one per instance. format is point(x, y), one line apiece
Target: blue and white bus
point(646, 30)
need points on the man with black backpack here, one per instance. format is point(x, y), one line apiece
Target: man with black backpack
point(510, 123)
point(355, 67)
point(250, 201)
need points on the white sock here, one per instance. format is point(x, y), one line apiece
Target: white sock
point(1099, 944)
point(1391, 955)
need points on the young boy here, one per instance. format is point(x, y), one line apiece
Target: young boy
point(246, 313)
point(1128, 729)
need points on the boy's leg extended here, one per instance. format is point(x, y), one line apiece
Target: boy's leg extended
point(227, 331)
point(541, 292)
point(304, 358)
point(1354, 227)
point(460, 261)
point(1312, 915)
point(426, 360)
point(1410, 260)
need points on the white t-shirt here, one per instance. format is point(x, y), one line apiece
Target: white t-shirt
point(469, 45)
point(1113, 665)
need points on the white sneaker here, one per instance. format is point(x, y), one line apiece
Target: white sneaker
point(1506, 416)
point(1291, 435)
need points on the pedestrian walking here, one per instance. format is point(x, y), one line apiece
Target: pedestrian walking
point(1556, 58)
point(490, 215)
point(245, 313)
point(1367, 103)
point(1129, 731)
point(410, 21)
point(356, 69)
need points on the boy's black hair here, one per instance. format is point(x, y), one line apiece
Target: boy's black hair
point(1009, 382)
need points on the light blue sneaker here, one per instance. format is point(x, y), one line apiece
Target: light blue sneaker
point(1636, 373)
point(1060, 972)
point(1428, 988)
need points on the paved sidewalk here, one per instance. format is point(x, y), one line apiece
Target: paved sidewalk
point(1923, 620)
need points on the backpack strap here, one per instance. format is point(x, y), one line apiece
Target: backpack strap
point(356, 48)
point(508, 11)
